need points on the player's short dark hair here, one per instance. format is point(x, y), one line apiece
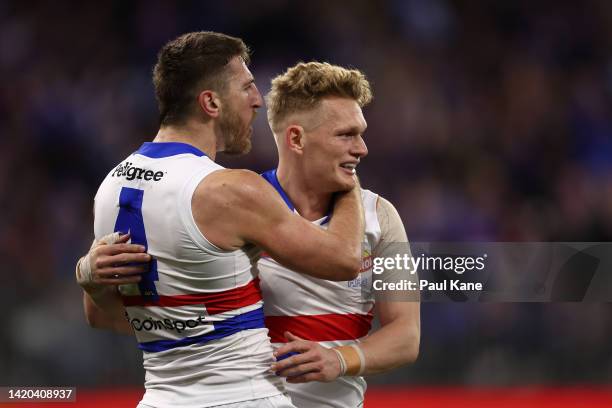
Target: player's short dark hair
point(188, 65)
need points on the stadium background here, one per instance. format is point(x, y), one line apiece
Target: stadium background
point(491, 121)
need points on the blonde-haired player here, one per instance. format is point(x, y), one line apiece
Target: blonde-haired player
point(315, 113)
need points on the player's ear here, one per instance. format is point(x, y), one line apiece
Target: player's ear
point(209, 103)
point(294, 137)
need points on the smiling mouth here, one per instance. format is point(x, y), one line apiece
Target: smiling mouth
point(349, 167)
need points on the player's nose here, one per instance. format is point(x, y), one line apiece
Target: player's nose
point(359, 148)
point(257, 98)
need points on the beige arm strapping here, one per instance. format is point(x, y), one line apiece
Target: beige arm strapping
point(391, 226)
point(393, 241)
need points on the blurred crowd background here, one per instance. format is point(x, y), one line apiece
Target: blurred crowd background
point(492, 121)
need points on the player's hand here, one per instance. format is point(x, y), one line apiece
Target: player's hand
point(110, 261)
point(313, 363)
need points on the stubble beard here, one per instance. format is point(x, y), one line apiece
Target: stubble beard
point(236, 135)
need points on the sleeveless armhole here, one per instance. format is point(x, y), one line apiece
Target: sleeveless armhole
point(186, 215)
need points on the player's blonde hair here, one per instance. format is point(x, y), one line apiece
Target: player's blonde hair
point(303, 86)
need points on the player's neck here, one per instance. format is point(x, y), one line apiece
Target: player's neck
point(309, 203)
point(198, 135)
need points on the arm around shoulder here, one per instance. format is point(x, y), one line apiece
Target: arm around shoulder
point(236, 207)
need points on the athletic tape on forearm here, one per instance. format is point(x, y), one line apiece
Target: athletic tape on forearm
point(362, 359)
point(83, 271)
point(353, 358)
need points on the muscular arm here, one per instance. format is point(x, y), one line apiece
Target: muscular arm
point(236, 207)
point(397, 341)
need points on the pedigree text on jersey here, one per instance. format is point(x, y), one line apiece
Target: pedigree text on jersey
point(131, 172)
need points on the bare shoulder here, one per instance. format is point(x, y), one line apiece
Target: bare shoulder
point(229, 187)
point(228, 205)
point(230, 180)
point(222, 204)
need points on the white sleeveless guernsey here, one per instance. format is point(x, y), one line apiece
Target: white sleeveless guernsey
point(197, 314)
point(331, 313)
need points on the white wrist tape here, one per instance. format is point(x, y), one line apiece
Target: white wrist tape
point(342, 362)
point(83, 271)
point(108, 239)
point(352, 359)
